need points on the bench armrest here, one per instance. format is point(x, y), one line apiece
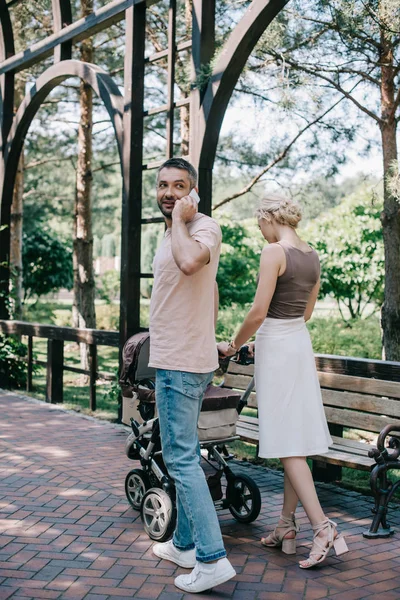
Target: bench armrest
point(381, 453)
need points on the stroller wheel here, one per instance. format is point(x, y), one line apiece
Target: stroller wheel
point(136, 485)
point(158, 514)
point(245, 498)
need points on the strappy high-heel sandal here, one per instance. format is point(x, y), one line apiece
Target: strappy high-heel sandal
point(278, 538)
point(336, 541)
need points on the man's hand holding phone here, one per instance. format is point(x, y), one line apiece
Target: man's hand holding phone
point(185, 208)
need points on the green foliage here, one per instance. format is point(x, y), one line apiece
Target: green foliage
point(349, 242)
point(12, 368)
point(107, 286)
point(113, 390)
point(229, 320)
point(47, 263)
point(329, 334)
point(107, 317)
point(359, 337)
point(239, 263)
point(108, 245)
point(96, 246)
point(151, 238)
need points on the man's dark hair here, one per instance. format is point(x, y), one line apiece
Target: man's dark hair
point(181, 163)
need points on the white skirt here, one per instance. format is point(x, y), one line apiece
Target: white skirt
point(291, 415)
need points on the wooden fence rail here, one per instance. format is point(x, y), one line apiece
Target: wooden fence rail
point(55, 367)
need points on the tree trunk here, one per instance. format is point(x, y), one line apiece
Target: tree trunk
point(84, 288)
point(391, 210)
point(185, 123)
point(185, 110)
point(16, 217)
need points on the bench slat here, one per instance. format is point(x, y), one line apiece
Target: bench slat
point(250, 420)
point(348, 450)
point(370, 404)
point(357, 420)
point(350, 444)
point(348, 383)
point(237, 369)
point(343, 459)
point(238, 382)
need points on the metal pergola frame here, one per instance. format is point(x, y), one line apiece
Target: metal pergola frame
point(207, 108)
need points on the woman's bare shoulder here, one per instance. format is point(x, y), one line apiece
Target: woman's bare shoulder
point(273, 251)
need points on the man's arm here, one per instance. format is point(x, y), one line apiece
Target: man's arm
point(190, 256)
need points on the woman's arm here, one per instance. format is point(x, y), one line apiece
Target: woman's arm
point(271, 263)
point(311, 301)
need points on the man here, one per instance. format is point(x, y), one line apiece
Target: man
point(183, 352)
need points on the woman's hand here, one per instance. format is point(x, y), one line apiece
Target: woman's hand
point(251, 346)
point(225, 349)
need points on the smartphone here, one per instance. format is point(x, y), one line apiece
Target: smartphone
point(193, 194)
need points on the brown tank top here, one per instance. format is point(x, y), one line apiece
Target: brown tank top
point(294, 286)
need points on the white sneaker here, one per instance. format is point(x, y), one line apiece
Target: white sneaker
point(205, 576)
point(183, 558)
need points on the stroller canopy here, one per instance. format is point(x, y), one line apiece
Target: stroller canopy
point(135, 360)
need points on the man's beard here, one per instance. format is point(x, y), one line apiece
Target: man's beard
point(167, 212)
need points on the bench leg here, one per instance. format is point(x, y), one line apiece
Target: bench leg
point(326, 472)
point(383, 490)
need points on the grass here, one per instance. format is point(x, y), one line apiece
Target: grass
point(76, 393)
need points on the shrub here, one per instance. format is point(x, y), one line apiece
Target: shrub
point(349, 242)
point(107, 286)
point(12, 368)
point(47, 263)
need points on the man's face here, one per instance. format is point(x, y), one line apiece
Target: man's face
point(172, 184)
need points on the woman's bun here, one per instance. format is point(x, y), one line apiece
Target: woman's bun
point(283, 210)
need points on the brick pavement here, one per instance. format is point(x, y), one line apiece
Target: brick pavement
point(67, 531)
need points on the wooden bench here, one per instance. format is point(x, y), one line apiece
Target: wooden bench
point(358, 394)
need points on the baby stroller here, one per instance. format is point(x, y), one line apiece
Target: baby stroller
point(149, 489)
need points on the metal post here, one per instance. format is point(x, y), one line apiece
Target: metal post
point(132, 169)
point(62, 16)
point(171, 77)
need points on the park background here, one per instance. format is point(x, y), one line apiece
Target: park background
point(301, 121)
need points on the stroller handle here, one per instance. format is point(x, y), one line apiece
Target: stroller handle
point(242, 357)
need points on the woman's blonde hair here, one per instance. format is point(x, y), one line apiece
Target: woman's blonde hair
point(283, 210)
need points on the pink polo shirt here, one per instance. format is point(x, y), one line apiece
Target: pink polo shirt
point(182, 334)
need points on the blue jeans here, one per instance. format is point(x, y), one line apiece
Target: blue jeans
point(179, 398)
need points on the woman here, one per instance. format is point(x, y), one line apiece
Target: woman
point(292, 421)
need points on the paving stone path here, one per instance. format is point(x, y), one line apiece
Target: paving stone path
point(67, 531)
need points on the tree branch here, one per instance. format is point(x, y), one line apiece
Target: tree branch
point(276, 160)
point(338, 87)
point(38, 163)
point(332, 25)
point(105, 166)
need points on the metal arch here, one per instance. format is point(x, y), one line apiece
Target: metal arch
point(103, 85)
point(62, 16)
point(7, 49)
point(232, 59)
